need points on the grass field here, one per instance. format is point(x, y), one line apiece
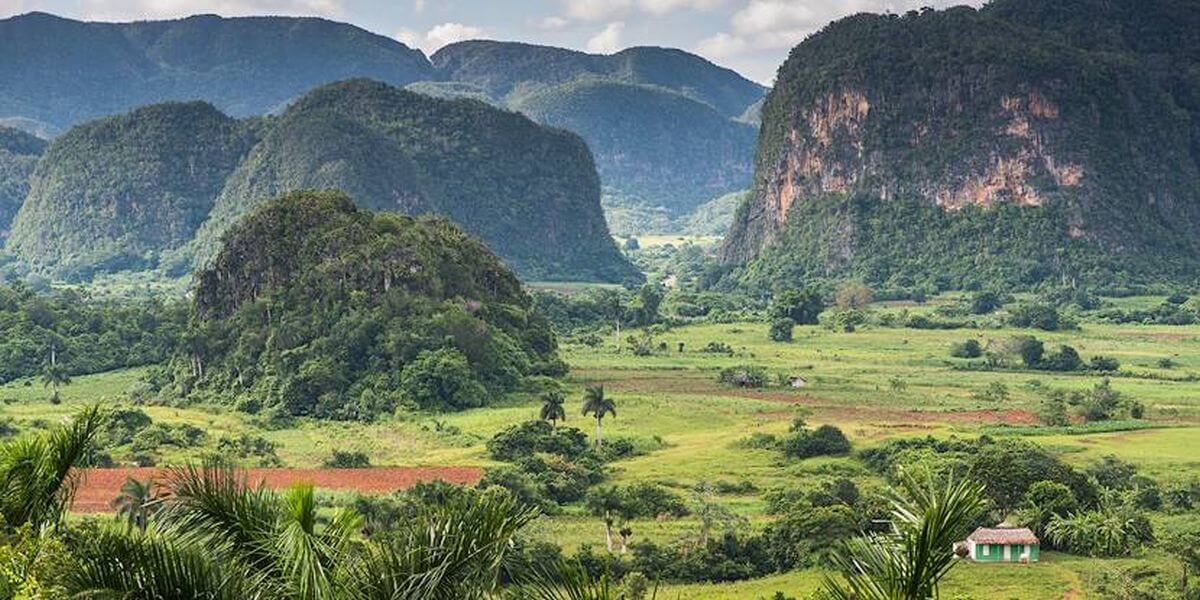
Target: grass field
point(876, 384)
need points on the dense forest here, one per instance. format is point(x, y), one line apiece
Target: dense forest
point(314, 307)
point(156, 188)
point(969, 145)
point(19, 152)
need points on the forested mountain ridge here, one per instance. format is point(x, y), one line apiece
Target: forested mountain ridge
point(114, 193)
point(258, 65)
point(243, 66)
point(315, 307)
point(529, 191)
point(664, 125)
point(19, 152)
point(157, 187)
point(1023, 142)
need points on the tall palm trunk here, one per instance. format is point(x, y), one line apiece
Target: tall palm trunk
point(599, 432)
point(608, 523)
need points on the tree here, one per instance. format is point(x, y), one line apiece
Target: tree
point(37, 479)
point(781, 329)
point(1185, 547)
point(709, 512)
point(54, 375)
point(1030, 349)
point(606, 504)
point(441, 380)
point(909, 562)
point(1044, 501)
point(649, 298)
point(985, 302)
point(1115, 528)
point(598, 405)
point(853, 295)
point(137, 502)
point(552, 408)
point(803, 307)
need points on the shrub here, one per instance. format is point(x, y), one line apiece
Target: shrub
point(781, 329)
point(985, 302)
point(1104, 364)
point(441, 380)
point(348, 460)
point(1065, 360)
point(969, 348)
point(995, 391)
point(745, 376)
point(826, 440)
point(802, 307)
point(537, 436)
point(1037, 316)
point(246, 446)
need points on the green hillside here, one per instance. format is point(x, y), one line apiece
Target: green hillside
point(113, 194)
point(19, 152)
point(315, 307)
point(158, 187)
point(634, 131)
point(1025, 143)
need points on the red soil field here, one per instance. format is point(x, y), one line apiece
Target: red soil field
point(99, 486)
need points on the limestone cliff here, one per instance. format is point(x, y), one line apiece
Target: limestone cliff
point(905, 149)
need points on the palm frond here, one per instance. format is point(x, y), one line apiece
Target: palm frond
point(37, 472)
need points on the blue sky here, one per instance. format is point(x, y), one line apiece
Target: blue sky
point(750, 36)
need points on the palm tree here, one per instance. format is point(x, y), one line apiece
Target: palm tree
point(908, 563)
point(217, 538)
point(598, 405)
point(605, 503)
point(37, 472)
point(137, 501)
point(552, 408)
point(54, 376)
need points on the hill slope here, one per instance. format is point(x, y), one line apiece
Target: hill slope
point(662, 123)
point(314, 307)
point(113, 194)
point(159, 186)
point(529, 192)
point(964, 147)
point(244, 66)
point(19, 152)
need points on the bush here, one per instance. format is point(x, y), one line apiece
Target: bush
point(745, 376)
point(969, 348)
point(983, 303)
point(1065, 360)
point(1038, 316)
point(826, 440)
point(802, 307)
point(781, 329)
point(245, 447)
point(537, 436)
point(1104, 364)
point(348, 460)
point(441, 380)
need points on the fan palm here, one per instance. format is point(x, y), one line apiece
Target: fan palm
point(552, 408)
point(908, 563)
point(37, 472)
point(598, 405)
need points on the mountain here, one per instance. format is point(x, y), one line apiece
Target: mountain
point(19, 152)
point(62, 72)
point(678, 132)
point(504, 69)
point(650, 144)
point(1021, 144)
point(666, 127)
point(316, 307)
point(530, 192)
point(114, 193)
point(158, 187)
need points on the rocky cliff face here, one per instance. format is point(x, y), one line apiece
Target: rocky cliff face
point(956, 120)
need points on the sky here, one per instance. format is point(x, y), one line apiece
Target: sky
point(750, 36)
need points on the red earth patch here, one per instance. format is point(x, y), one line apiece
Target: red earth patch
point(98, 487)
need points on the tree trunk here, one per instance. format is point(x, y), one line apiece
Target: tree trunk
point(599, 434)
point(608, 531)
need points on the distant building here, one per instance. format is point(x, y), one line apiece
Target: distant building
point(1003, 544)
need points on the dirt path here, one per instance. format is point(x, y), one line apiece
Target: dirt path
point(100, 486)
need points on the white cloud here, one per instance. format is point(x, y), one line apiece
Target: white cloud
point(553, 23)
point(780, 24)
point(419, 5)
point(600, 10)
point(608, 40)
point(438, 36)
point(125, 10)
